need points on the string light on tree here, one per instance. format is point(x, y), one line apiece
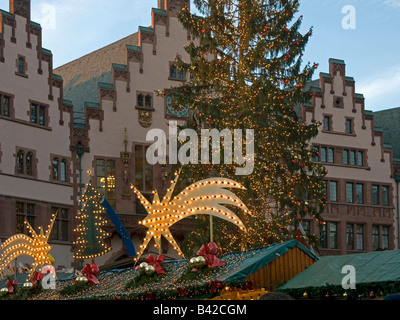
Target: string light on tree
point(90, 231)
point(245, 72)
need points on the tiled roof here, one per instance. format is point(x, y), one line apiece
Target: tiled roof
point(388, 121)
point(82, 76)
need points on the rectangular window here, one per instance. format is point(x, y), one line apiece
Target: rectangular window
point(143, 176)
point(143, 170)
point(350, 236)
point(324, 185)
point(375, 195)
point(385, 237)
point(20, 212)
point(176, 73)
point(349, 192)
point(349, 126)
point(345, 156)
point(63, 171)
point(360, 193)
point(323, 241)
point(147, 101)
point(24, 211)
point(327, 122)
point(333, 191)
point(323, 154)
point(375, 237)
point(33, 113)
point(60, 229)
point(5, 105)
point(38, 114)
point(385, 195)
point(21, 65)
point(105, 179)
point(55, 169)
point(360, 158)
point(140, 100)
point(360, 237)
point(352, 157)
point(316, 157)
point(42, 115)
point(333, 235)
point(306, 226)
point(331, 155)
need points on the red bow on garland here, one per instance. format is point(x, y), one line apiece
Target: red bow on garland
point(248, 285)
point(37, 277)
point(90, 272)
point(215, 285)
point(209, 252)
point(156, 263)
point(180, 291)
point(11, 285)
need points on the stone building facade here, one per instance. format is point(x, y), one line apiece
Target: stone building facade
point(94, 113)
point(360, 189)
point(35, 162)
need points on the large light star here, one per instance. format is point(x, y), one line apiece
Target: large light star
point(20, 244)
point(204, 197)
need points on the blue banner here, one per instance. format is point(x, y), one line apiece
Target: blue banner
point(120, 228)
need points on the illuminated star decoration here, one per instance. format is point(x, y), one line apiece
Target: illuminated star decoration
point(203, 197)
point(36, 246)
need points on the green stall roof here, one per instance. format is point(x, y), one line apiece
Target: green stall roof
point(377, 266)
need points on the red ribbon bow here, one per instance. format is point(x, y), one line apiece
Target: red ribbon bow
point(11, 285)
point(38, 276)
point(90, 272)
point(248, 285)
point(209, 252)
point(180, 291)
point(156, 263)
point(215, 285)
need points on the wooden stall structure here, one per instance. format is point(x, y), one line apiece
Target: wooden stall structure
point(282, 269)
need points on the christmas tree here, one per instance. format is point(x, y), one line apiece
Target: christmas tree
point(91, 234)
point(246, 72)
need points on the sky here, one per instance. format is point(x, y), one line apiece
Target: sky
point(363, 33)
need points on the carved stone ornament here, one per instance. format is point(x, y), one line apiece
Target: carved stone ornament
point(145, 118)
point(22, 8)
point(338, 67)
point(135, 56)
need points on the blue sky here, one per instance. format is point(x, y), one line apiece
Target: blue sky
point(72, 28)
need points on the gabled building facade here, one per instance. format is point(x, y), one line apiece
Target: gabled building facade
point(114, 94)
point(95, 112)
point(35, 162)
point(359, 184)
